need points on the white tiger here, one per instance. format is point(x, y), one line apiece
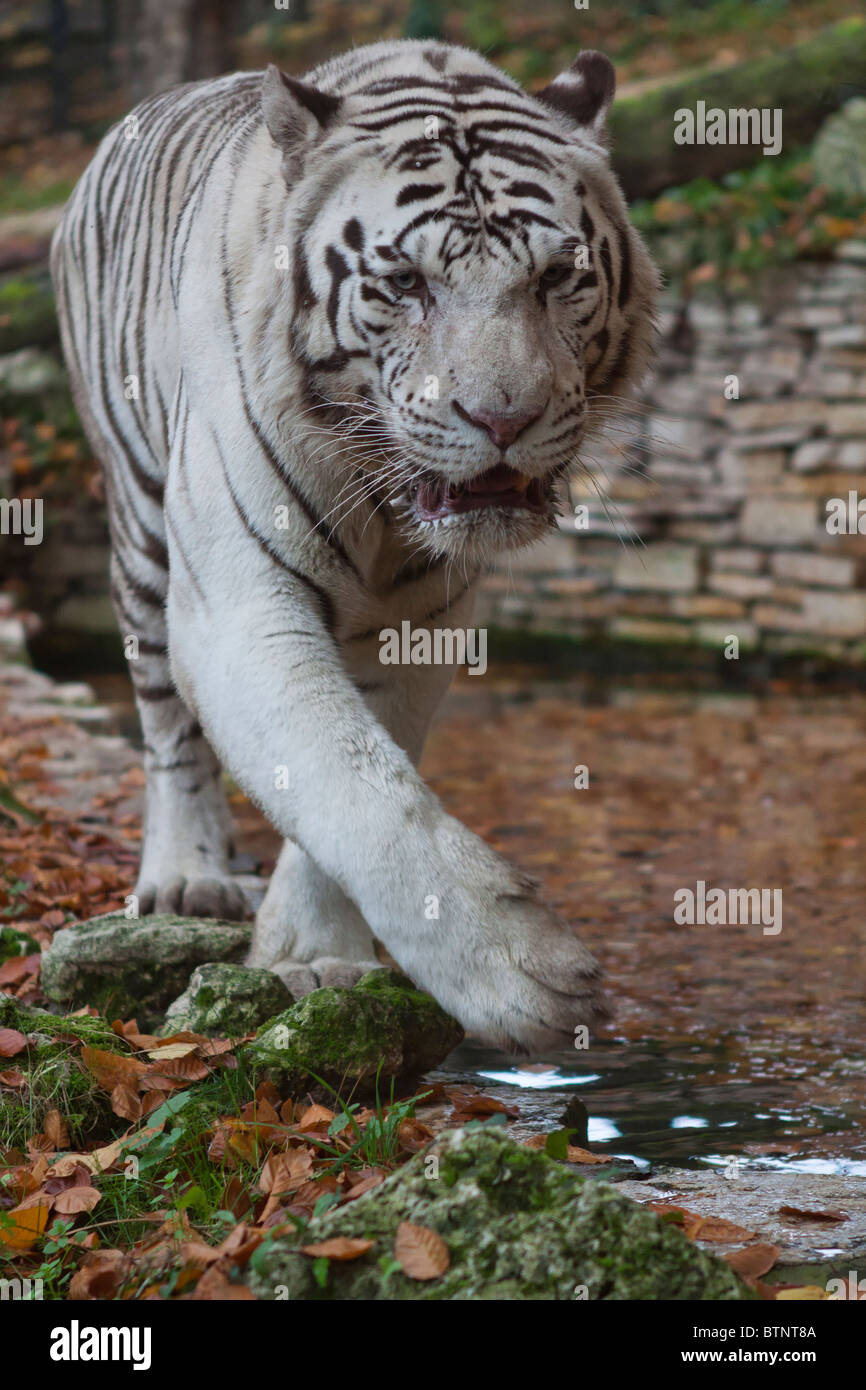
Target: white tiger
point(334, 340)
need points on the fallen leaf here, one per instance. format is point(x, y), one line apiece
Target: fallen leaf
point(716, 1229)
point(55, 1128)
point(110, 1070)
point(420, 1252)
point(11, 1042)
point(315, 1117)
point(76, 1199)
point(341, 1247)
point(753, 1260)
point(804, 1215)
point(28, 1223)
point(804, 1293)
point(214, 1285)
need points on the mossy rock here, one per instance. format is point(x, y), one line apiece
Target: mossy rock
point(227, 1001)
point(344, 1037)
point(55, 1077)
point(134, 968)
point(517, 1226)
point(16, 943)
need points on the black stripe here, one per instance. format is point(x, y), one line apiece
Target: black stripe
point(324, 599)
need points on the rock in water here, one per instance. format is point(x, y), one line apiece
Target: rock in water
point(342, 1036)
point(227, 1001)
point(135, 968)
point(516, 1225)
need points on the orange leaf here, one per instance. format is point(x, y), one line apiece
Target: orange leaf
point(28, 1224)
point(315, 1117)
point(421, 1252)
point(340, 1247)
point(753, 1260)
point(110, 1070)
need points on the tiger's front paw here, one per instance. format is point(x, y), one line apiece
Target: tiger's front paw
point(194, 897)
point(516, 978)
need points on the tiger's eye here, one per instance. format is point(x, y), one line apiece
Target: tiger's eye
point(406, 280)
point(554, 275)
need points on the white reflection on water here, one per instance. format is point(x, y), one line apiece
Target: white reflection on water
point(550, 1080)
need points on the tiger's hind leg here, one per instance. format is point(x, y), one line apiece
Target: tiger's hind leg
point(307, 931)
point(187, 823)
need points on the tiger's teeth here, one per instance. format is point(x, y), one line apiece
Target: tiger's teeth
point(521, 483)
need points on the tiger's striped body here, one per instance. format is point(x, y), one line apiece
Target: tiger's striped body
point(330, 362)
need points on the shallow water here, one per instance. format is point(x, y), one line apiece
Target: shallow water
point(725, 1040)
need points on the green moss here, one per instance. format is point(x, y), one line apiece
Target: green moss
point(135, 968)
point(227, 1001)
point(346, 1036)
point(16, 943)
point(517, 1226)
point(55, 1078)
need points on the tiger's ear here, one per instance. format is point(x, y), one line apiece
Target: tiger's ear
point(294, 112)
point(584, 93)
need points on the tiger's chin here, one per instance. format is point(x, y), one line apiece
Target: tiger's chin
point(500, 509)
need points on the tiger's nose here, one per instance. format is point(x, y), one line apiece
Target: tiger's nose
point(502, 428)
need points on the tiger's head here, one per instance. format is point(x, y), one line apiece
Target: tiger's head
point(466, 279)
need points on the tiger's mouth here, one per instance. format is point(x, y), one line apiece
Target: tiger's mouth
point(500, 487)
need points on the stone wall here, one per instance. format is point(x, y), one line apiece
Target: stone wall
point(725, 482)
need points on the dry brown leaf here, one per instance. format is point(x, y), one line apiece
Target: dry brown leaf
point(214, 1285)
point(365, 1185)
point(101, 1275)
point(285, 1172)
point(126, 1102)
point(55, 1128)
point(11, 1042)
point(339, 1248)
point(110, 1070)
point(753, 1260)
point(803, 1214)
point(76, 1199)
point(422, 1253)
point(187, 1068)
point(716, 1229)
point(315, 1117)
